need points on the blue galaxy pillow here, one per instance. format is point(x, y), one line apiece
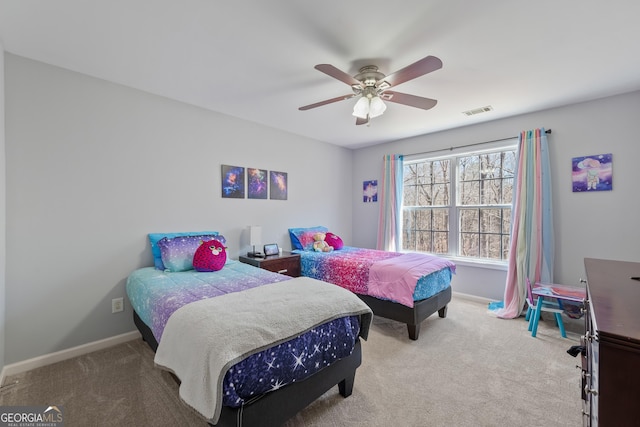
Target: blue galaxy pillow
point(154, 238)
point(178, 252)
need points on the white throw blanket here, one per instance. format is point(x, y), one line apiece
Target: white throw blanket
point(203, 339)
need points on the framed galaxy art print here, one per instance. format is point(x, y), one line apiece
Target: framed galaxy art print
point(592, 173)
point(370, 191)
point(256, 183)
point(232, 182)
point(278, 184)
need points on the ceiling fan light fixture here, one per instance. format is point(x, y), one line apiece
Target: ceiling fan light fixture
point(376, 107)
point(361, 109)
point(370, 87)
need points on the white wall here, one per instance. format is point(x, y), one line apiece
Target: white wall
point(92, 167)
point(3, 216)
point(597, 225)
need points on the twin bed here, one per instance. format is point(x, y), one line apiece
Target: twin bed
point(253, 348)
point(404, 287)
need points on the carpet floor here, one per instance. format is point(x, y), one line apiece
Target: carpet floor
point(469, 369)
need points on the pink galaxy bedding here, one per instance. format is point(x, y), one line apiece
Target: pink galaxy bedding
point(395, 276)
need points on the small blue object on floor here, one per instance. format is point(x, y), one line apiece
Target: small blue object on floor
point(495, 305)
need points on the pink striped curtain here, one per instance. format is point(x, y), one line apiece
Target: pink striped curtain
point(389, 221)
point(532, 247)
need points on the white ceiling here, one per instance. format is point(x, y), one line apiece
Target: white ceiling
point(254, 59)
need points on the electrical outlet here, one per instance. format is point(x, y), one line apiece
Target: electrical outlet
point(117, 305)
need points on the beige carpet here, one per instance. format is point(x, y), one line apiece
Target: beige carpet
point(469, 369)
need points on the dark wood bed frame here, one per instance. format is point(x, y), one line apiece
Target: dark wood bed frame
point(274, 408)
point(411, 316)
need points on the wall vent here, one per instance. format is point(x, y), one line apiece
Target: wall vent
point(478, 110)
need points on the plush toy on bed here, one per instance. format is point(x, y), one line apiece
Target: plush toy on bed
point(210, 256)
point(334, 240)
point(319, 245)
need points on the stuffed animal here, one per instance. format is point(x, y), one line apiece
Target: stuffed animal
point(334, 240)
point(210, 256)
point(319, 245)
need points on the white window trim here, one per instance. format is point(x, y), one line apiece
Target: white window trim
point(452, 154)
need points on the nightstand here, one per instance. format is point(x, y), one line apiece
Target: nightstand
point(286, 263)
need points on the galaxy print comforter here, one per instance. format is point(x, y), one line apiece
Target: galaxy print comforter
point(349, 268)
point(155, 295)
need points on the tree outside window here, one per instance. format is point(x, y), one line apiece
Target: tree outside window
point(469, 218)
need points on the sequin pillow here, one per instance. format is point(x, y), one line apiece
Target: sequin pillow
point(210, 256)
point(154, 238)
point(177, 252)
point(302, 238)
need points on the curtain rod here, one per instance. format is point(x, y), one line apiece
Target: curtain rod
point(547, 131)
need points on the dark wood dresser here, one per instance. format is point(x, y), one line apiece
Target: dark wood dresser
point(611, 362)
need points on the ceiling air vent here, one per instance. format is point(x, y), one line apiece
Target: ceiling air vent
point(478, 110)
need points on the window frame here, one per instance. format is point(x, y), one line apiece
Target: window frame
point(455, 208)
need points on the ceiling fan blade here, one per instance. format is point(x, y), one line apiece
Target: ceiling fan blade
point(332, 71)
point(410, 100)
point(417, 69)
point(327, 101)
point(361, 121)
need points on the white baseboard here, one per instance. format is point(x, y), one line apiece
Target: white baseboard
point(58, 356)
point(473, 298)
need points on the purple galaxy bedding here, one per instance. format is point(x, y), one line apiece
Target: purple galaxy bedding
point(155, 295)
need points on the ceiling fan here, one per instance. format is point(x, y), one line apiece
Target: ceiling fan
point(372, 87)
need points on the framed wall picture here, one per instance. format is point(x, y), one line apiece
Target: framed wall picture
point(256, 183)
point(278, 185)
point(232, 182)
point(592, 173)
point(271, 249)
point(370, 191)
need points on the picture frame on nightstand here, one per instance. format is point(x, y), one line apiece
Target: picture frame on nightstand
point(271, 249)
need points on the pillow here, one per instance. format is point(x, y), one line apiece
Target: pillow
point(334, 240)
point(210, 256)
point(177, 252)
point(154, 238)
point(302, 238)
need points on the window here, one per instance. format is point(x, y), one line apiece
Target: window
point(459, 205)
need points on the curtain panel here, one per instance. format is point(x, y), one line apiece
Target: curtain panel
point(390, 217)
point(531, 251)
